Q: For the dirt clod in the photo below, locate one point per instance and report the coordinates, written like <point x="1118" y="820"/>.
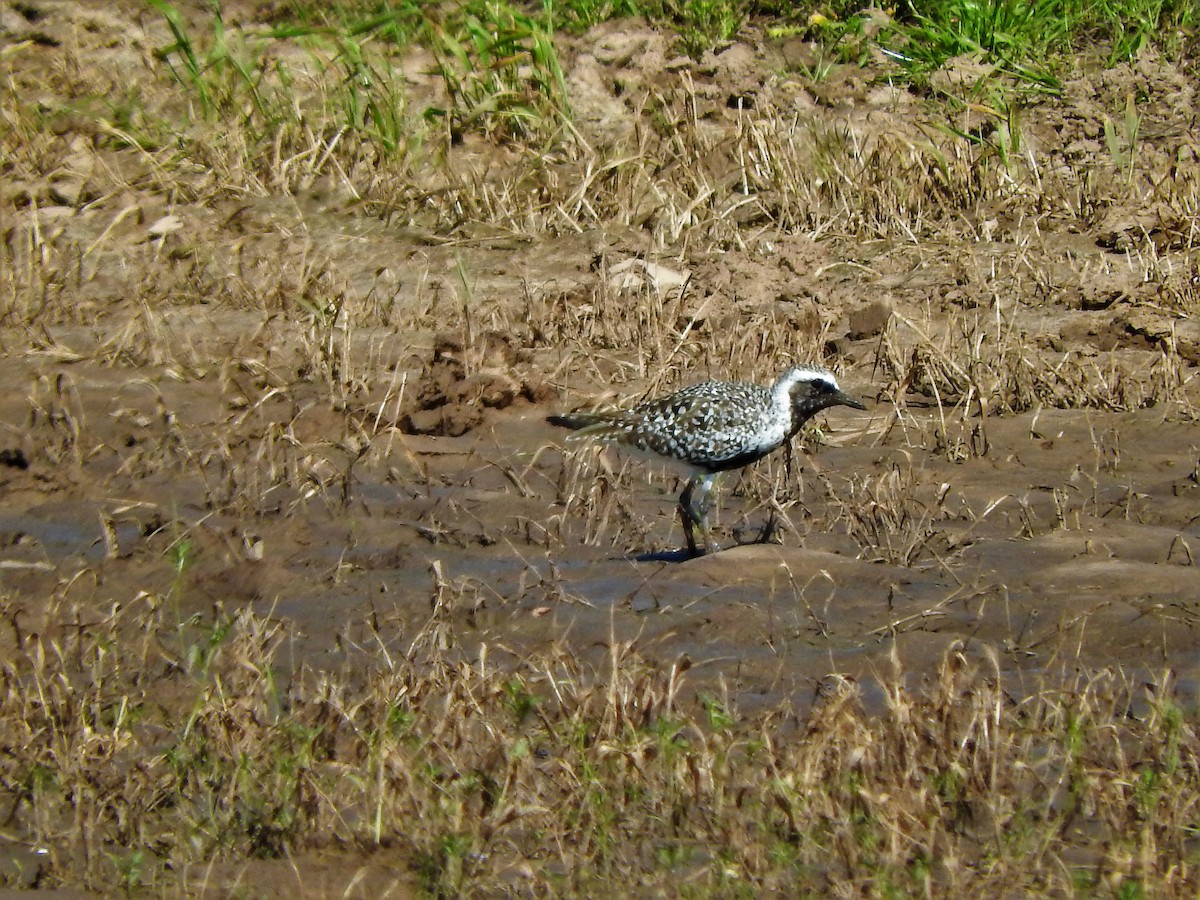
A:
<point x="461" y="381"/>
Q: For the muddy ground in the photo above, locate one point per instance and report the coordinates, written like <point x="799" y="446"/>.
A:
<point x="286" y="398"/>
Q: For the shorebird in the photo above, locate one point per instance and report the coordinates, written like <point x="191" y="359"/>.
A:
<point x="713" y="427"/>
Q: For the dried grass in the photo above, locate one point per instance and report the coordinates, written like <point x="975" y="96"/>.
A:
<point x="125" y="732"/>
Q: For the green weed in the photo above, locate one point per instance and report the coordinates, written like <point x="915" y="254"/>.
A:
<point x="1123" y="145"/>
<point x="1130" y="26"/>
<point x="499" y="66"/>
<point x="1013" y="34"/>
<point x="704" y="24"/>
<point x="578" y="15"/>
<point x="501" y="71"/>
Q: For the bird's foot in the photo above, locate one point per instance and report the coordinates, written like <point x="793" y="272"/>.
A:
<point x="707" y="548"/>
<point x="706" y="544"/>
<point x="693" y="512"/>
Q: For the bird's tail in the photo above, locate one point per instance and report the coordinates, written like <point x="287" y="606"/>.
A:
<point x="602" y="426"/>
<point x="577" y="420"/>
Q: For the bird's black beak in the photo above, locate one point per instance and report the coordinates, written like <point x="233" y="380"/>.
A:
<point x="846" y="400"/>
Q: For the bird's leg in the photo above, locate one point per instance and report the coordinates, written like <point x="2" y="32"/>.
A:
<point x="690" y="517"/>
<point x="694" y="504"/>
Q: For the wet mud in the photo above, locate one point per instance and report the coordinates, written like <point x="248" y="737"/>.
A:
<point x="1071" y="543"/>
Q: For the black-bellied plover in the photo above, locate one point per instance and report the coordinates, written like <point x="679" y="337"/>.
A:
<point x="713" y="427"/>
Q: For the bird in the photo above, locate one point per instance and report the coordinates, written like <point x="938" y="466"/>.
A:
<point x="713" y="427"/>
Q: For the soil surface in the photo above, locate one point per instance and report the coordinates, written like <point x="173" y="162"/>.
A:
<point x="275" y="400"/>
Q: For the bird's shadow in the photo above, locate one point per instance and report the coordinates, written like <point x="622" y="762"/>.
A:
<point x="668" y="556"/>
<point x="765" y="536"/>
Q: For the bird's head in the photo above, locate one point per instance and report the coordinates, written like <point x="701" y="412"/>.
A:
<point x="813" y="389"/>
